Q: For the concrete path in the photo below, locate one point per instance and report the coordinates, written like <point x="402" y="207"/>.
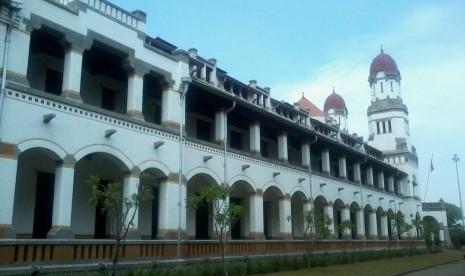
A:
<point x="455" y="268"/>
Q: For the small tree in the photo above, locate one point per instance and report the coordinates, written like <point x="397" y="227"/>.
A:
<point x="316" y="228"/>
<point x="225" y="214"/>
<point x="122" y="210"/>
<point x="345" y="228"/>
<point x="399" y="227"/>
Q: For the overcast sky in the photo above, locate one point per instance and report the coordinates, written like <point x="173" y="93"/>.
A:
<point x="310" y="46"/>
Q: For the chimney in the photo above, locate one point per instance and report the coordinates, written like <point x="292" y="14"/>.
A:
<point x="253" y="83"/>
<point x="193" y="53"/>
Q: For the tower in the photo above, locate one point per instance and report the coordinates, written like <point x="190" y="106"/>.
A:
<point x="335" y="110"/>
<point x="388" y="125"/>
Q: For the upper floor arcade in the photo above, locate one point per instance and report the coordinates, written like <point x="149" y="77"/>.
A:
<point x="140" y="78"/>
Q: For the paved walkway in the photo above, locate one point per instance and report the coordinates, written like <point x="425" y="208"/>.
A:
<point x="455" y="268"/>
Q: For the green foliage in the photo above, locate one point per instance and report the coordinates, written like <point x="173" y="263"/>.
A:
<point x="122" y="210"/>
<point x="345" y="228"/>
<point x="454" y="215"/>
<point x="316" y="228"/>
<point x="225" y="214"/>
<point x="457" y="237"/>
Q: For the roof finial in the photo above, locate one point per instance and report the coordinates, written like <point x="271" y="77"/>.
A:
<point x="333" y="89"/>
<point x="382" y="49"/>
<point x="303" y="94"/>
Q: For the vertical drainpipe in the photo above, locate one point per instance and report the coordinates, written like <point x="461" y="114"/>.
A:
<point x="225" y="179"/>
<point x="184" y="89"/>
<point x="14" y="11"/>
<point x="310" y="170"/>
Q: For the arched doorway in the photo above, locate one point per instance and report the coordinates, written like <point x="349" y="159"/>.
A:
<point x="148" y="211"/>
<point x="240" y="195"/>
<point x="298" y="201"/>
<point x="34" y="194"/>
<point x="337" y="210"/>
<point x="88" y="220"/>
<point x="200" y="221"/>
<point x="271" y="223"/>
<point x="431" y="230"/>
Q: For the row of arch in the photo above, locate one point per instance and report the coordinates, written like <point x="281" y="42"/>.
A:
<point x="39" y="193"/>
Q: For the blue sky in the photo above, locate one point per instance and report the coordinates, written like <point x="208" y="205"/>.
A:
<point x="310" y="46"/>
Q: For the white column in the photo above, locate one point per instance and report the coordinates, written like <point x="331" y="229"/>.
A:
<point x="373" y="226"/>
<point x="62" y="202"/>
<point x="8" y="169"/>
<point x="381" y="180"/>
<point x="72" y="73"/>
<point x="219" y="126"/>
<point x="360" y="224"/>
<point x="255" y="138"/>
<point x="256" y="215"/>
<point x="384" y="227"/>
<point x="342" y="167"/>
<point x="168" y="210"/>
<point x="328" y="210"/>
<point x="305" y="148"/>
<point x="135" y="95"/>
<point x="285" y="226"/>
<point x="130" y="187"/>
<point x="369" y="176"/>
<point x="282" y="147"/>
<point x="390" y="184"/>
<point x="325" y="162"/>
<point x="345" y="215"/>
<point x="357" y="174"/>
<point x="170" y="108"/>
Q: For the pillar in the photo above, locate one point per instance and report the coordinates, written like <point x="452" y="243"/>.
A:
<point x="325" y="162"/>
<point x="62" y="202"/>
<point x="170" y="113"/>
<point x="256" y="216"/>
<point x="8" y="169"/>
<point x="285" y="225"/>
<point x="255" y="138"/>
<point x="282" y="147"/>
<point x="345" y="215"/>
<point x="130" y="187"/>
<point x="390" y="184"/>
<point x="220" y="127"/>
<point x="357" y="174"/>
<point x="373" y="225"/>
<point x="135" y="90"/>
<point x="342" y="167"/>
<point x="328" y="210"/>
<point x="369" y="176"/>
<point x="360" y="215"/>
<point x="72" y="70"/>
<point x="381" y="180"/>
<point x="384" y="227"/>
<point x="168" y="209"/>
<point x="305" y="148"/>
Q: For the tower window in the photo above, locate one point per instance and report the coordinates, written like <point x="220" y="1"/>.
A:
<point x="389" y="125"/>
<point x="377" y="128"/>
<point x="381" y="87"/>
<point x="392" y="89"/>
<point x="384" y="127"/>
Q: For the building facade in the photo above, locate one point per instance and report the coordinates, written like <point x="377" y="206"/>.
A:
<point x="86" y="91"/>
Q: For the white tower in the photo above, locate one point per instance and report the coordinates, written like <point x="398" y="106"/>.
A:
<point x="336" y="111"/>
<point x="388" y="125"/>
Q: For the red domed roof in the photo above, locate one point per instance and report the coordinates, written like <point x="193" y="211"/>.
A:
<point x="336" y="102"/>
<point x="383" y="62"/>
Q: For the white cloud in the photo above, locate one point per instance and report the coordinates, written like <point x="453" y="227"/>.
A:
<point x="428" y="46"/>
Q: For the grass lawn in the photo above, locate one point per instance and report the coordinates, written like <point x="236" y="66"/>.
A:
<point x="381" y="267"/>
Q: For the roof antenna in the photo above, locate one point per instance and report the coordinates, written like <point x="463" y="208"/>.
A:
<point x="382" y="49"/>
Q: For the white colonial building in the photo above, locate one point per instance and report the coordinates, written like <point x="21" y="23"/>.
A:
<point x="86" y="91"/>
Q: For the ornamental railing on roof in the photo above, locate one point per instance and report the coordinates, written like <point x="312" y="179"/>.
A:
<point x="134" y="20"/>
